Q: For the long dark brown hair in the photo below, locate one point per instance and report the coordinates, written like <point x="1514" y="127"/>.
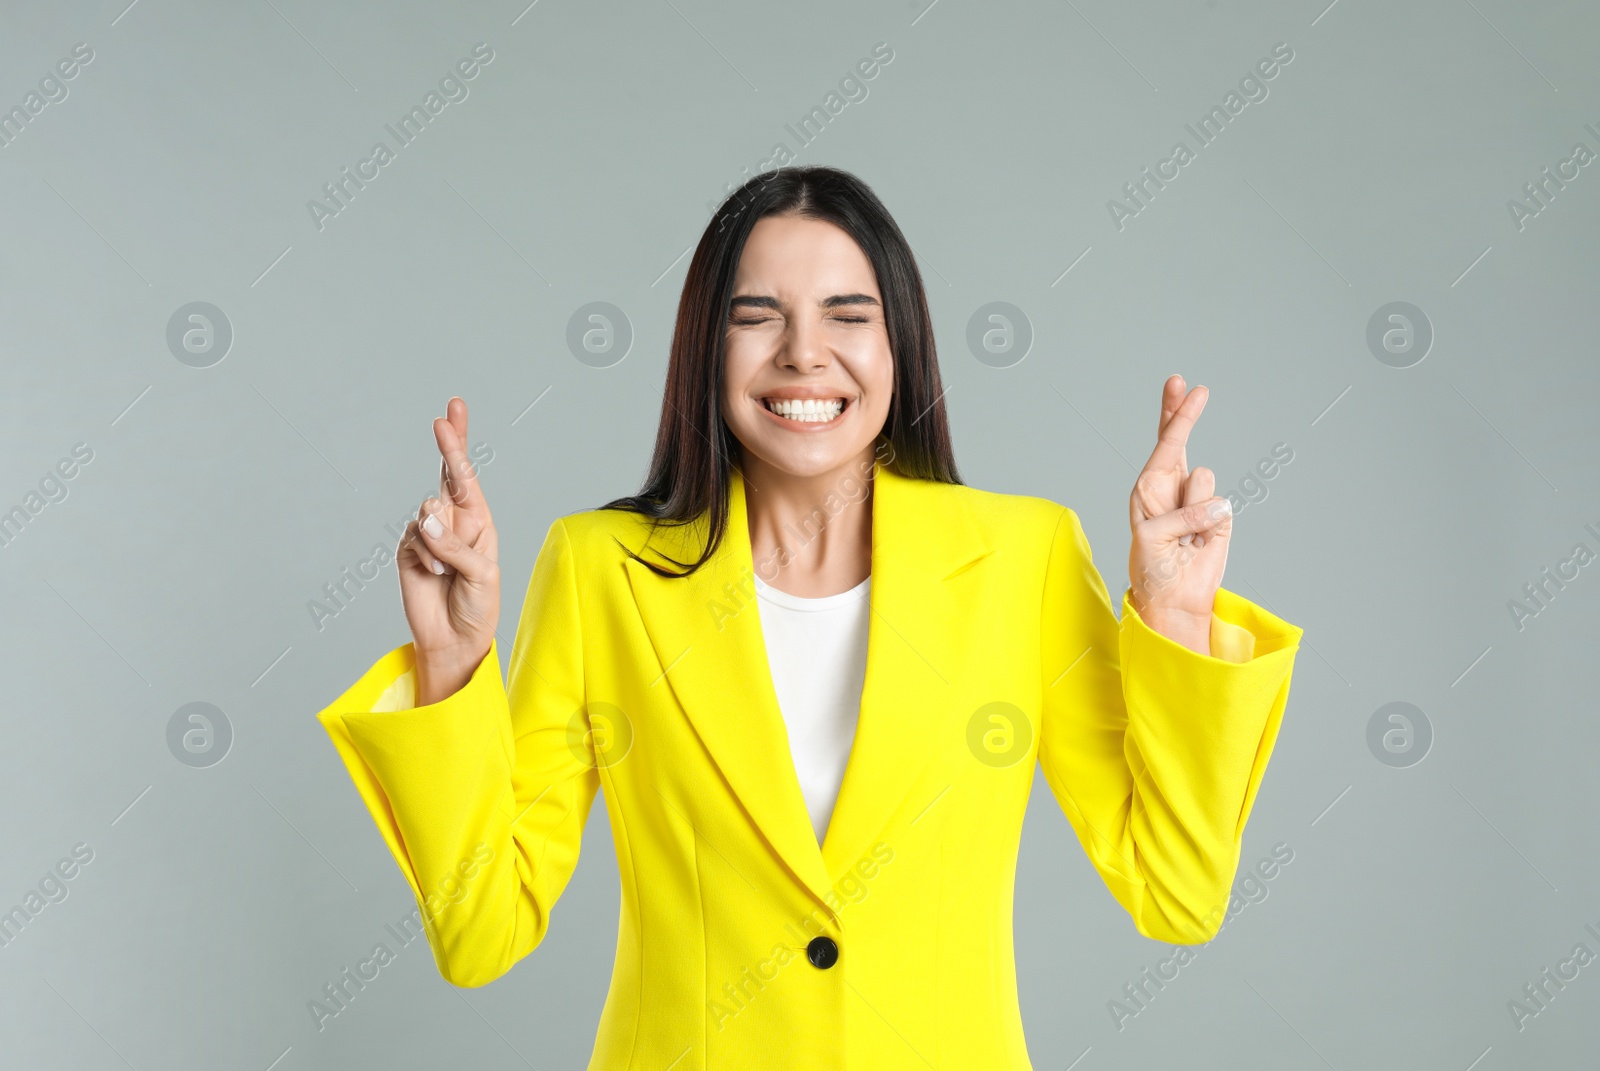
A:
<point x="695" y="449"/>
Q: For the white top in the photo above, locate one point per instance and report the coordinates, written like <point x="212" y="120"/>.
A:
<point x="817" y="650"/>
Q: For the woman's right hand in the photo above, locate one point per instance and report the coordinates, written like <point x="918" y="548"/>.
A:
<point x="449" y="579"/>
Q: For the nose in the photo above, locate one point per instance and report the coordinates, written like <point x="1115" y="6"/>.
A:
<point x="803" y="347"/>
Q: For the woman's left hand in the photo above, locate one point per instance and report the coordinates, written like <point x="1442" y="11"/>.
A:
<point x="1180" y="529"/>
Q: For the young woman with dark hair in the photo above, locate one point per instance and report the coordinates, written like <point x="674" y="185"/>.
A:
<point x="813" y="673"/>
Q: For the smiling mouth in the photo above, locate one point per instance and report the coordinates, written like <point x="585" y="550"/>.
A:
<point x="806" y="410"/>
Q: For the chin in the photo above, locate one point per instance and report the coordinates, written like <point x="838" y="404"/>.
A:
<point x="804" y="460"/>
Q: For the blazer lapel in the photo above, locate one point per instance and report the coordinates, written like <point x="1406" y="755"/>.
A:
<point x="706" y="632"/>
<point x="924" y="539"/>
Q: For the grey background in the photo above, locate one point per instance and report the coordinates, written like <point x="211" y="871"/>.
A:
<point x="219" y="500"/>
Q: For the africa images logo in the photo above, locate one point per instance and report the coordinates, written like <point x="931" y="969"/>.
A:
<point x="453" y="87"/>
<point x="1204" y="131"/>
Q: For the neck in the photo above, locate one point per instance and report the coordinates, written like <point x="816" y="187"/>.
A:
<point x="810" y="535"/>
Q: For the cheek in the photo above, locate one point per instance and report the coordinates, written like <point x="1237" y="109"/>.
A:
<point x="746" y="352"/>
<point x="739" y="364"/>
<point x="875" y="373"/>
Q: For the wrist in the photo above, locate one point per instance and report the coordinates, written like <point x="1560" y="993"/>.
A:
<point x="1183" y="627"/>
<point x="441" y="674"/>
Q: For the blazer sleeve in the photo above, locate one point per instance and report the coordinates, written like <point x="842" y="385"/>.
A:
<point x="1154" y="751"/>
<point x="482" y="796"/>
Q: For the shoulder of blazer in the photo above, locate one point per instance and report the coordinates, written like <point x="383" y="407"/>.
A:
<point x="1005" y="518"/>
<point x="597" y="536"/>
<point x="1016" y="524"/>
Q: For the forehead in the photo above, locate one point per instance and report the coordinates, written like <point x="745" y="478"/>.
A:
<point x="790" y="254"/>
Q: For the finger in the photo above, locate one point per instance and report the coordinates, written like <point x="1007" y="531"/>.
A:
<point x="452" y="550"/>
<point x="1169" y="452"/>
<point x="413" y="551"/>
<point x="1200" y="485"/>
<point x="448" y="516"/>
<point x="456" y="414"/>
<point x="1197" y="488"/>
<point x="456" y="410"/>
<point x="1172" y="396"/>
<point x="1208" y="517"/>
<point x="461" y="480"/>
<point x="475" y="529"/>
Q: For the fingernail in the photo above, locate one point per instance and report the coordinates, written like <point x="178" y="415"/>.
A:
<point x="1183" y="540"/>
<point x="1220" y="508"/>
<point x="431" y="525"/>
<point x="438" y="567"/>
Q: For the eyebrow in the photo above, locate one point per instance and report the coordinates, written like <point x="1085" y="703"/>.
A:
<point x="753" y="301"/>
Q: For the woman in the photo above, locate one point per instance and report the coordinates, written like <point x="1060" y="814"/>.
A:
<point x="812" y="673"/>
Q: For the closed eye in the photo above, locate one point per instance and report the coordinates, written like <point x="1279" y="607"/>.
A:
<point x="748" y="321"/>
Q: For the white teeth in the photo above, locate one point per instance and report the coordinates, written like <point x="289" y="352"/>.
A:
<point x="807" y="410"/>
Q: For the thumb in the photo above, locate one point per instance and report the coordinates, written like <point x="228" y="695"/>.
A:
<point x="451" y="549"/>
<point x="1206" y="516"/>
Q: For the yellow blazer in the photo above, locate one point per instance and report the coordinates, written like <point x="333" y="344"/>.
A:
<point x="993" y="645"/>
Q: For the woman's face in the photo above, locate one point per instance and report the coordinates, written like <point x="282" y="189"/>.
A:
<point x="809" y="373"/>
